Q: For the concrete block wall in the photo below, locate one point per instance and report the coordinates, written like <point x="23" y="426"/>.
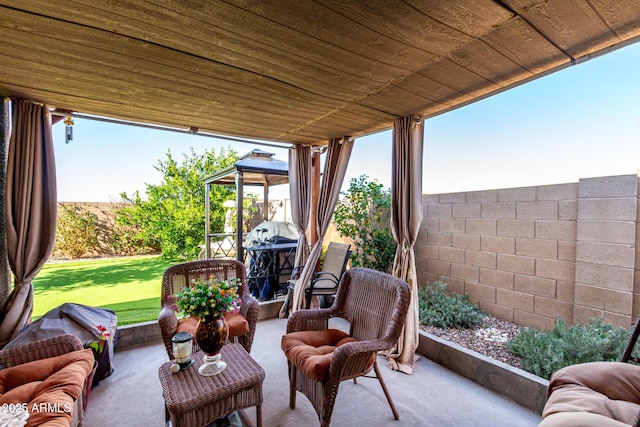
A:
<point x="606" y="249"/>
<point x="529" y="254"/>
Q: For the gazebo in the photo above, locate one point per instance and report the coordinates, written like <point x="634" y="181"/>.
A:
<point x="256" y="168"/>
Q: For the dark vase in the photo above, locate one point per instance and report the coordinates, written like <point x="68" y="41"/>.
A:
<point x="211" y="334"/>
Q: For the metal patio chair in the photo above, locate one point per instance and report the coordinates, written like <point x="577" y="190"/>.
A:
<point x="325" y="282"/>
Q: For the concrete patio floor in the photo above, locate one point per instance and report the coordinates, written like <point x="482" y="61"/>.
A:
<point x="431" y="396"/>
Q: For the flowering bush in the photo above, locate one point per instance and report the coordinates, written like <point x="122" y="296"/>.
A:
<point x="208" y="298"/>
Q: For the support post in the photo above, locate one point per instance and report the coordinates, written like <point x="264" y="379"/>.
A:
<point x="239" y="214"/>
<point x="315" y="194"/>
<point x="265" y="198"/>
<point x="207" y="220"/>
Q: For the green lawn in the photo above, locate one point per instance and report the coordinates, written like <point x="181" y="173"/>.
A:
<point x="129" y="286"/>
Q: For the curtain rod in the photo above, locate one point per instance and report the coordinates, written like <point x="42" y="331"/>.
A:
<point x="190" y="131"/>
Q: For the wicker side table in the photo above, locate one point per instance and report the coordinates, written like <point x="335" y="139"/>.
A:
<point x="192" y="400"/>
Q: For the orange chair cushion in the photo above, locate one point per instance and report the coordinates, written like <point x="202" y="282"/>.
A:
<point x="54" y="382"/>
<point x="593" y="394"/>
<point x="238" y="325"/>
<point x="311" y="351"/>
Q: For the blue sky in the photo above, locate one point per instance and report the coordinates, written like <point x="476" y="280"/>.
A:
<point x="577" y="123"/>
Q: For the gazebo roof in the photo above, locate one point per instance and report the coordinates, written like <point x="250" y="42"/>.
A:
<point x="257" y="167"/>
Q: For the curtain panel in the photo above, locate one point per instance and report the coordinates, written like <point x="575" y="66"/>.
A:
<point x="335" y="167"/>
<point x="300" y="191"/>
<point x="5" y="269"/>
<point x="406" y="217"/>
<point x="30" y="209"/>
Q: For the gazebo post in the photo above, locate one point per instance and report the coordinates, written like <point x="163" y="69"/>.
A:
<point x="207" y="220"/>
<point x="265" y="198"/>
<point x="239" y="214"/>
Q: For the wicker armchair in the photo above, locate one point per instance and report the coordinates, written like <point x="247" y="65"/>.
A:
<point x="177" y="277"/>
<point x="596" y="393"/>
<point x="45" y="348"/>
<point x="375" y="304"/>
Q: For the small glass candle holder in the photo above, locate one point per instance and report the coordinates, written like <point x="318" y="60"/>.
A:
<point x="182" y="345"/>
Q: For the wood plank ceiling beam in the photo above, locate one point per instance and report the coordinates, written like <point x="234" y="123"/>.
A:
<point x="298" y="71"/>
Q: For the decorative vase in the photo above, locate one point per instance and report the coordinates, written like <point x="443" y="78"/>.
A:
<point x="211" y="334"/>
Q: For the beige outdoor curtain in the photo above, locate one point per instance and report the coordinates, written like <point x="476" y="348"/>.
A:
<point x="300" y="192"/>
<point x="335" y="167"/>
<point x="406" y="216"/>
<point x="5" y="269"/>
<point x="30" y="209"/>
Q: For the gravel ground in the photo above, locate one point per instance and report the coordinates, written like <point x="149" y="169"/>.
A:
<point x="489" y="338"/>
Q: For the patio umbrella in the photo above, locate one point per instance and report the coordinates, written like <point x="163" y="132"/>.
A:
<point x="406" y="216"/>
<point x="30" y="209"/>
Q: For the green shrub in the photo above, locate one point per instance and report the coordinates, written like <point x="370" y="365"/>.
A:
<point x="363" y="215"/>
<point x="544" y="352"/>
<point x="76" y="231"/>
<point x="126" y="240"/>
<point x="439" y="308"/>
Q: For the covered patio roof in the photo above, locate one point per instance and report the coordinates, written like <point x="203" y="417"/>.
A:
<point x="295" y="71"/>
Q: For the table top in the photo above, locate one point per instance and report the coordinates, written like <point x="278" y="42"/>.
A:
<point x="242" y="372"/>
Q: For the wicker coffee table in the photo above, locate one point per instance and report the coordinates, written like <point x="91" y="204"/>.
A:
<point x="193" y="400"/>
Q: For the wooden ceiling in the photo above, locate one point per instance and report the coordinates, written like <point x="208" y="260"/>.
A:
<point x="297" y="71"/>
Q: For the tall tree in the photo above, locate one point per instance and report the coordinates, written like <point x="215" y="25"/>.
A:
<point x="172" y="216"/>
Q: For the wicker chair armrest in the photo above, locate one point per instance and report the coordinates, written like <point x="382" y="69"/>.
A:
<point x="249" y="304"/>
<point x="250" y="310"/>
<point x="168" y="319"/>
<point x="354" y="358"/>
<point x="351" y="349"/>
<point x="41" y="349"/>
<point x="309" y="320"/>
<point x="168" y="322"/>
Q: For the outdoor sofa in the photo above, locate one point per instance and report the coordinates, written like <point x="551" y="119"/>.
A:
<point x="51" y="378"/>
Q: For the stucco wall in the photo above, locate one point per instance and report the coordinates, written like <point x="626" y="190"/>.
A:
<point x="530" y="254"/>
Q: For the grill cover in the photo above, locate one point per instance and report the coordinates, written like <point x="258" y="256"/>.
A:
<point x="272" y="232"/>
<point x="81" y="321"/>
